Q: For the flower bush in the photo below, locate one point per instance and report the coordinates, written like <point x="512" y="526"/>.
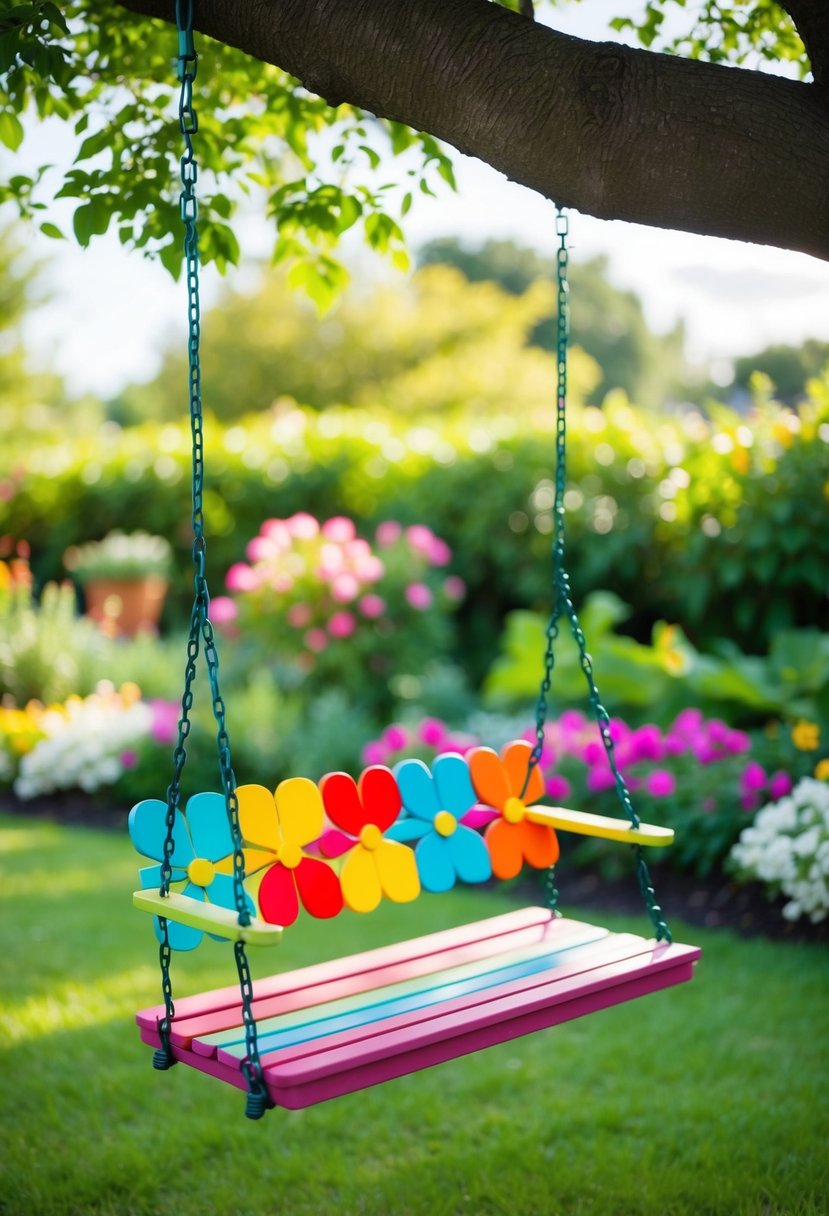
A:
<point x="334" y="609"/>
<point x="84" y="743"/>
<point x="787" y="848"/>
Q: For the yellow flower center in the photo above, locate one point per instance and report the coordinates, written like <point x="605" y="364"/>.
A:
<point x="370" y="836"/>
<point x="290" y="855"/>
<point x="514" y="810"/>
<point x="201" y="871"/>
<point x="445" y="823"/>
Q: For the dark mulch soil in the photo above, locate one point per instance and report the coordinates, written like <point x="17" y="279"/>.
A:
<point x="712" y="902"/>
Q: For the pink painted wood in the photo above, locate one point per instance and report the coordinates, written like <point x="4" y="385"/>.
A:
<point x="617" y="969"/>
<point x="216" y="1010"/>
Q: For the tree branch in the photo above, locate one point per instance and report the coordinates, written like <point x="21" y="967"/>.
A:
<point x="614" y="132"/>
<point x="811" y="17"/>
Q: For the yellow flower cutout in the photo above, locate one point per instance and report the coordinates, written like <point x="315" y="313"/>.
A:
<point x="806" y="736"/>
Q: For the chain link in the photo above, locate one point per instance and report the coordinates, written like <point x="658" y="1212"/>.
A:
<point x="563" y="604"/>
<point x="201" y="629"/>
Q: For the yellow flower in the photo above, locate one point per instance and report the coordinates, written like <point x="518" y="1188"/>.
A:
<point x="740" y="460"/>
<point x="806" y="736"/>
<point x="822" y="770"/>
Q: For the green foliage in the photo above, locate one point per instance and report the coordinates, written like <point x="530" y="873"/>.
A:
<point x="606" y="323"/>
<point x="786" y="369"/>
<point x="120" y="555"/>
<point x="110" y="76"/>
<point x="431" y="344"/>
<point x="744" y="31"/>
<point x="706" y="524"/>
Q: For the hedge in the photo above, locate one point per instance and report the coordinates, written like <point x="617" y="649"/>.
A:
<point x="711" y="523"/>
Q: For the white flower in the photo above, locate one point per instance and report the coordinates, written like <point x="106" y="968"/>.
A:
<point x="787" y="847"/>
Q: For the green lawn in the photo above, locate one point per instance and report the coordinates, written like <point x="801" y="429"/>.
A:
<point x="709" y="1098"/>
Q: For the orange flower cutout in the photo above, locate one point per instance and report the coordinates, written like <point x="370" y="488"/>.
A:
<point x="499" y="782"/>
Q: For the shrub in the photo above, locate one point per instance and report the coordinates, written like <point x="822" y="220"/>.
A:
<point x="787" y="848"/>
<point x="330" y="610"/>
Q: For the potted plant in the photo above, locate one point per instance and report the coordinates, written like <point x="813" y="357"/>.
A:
<point x="124" y="580"/>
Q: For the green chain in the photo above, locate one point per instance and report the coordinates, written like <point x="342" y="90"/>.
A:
<point x="563" y="605"/>
<point x="201" y="629"/>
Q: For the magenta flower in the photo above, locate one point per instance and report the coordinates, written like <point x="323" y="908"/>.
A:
<point x="753" y="778"/>
<point x="454" y="588"/>
<point x="129" y="759"/>
<point x="738" y="742"/>
<point x="372" y="606"/>
<point x="342" y="625"/>
<point x="646" y="744"/>
<point x="374" y="753"/>
<point x="164" y="726"/>
<point x="558" y="787"/>
<point x="599" y="779"/>
<point x="419" y="596"/>
<point x="660" y="783"/>
<point x="388" y="533"/>
<point x="432" y="732"/>
<point x="780" y="784"/>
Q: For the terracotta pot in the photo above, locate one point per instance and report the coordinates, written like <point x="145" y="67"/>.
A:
<point x="124" y="607"/>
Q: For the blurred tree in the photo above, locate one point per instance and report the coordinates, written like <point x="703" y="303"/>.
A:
<point x="433" y="342"/>
<point x="788" y="368"/>
<point x="606" y="322"/>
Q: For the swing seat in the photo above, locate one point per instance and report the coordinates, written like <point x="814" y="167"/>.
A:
<point x="340" y="1026"/>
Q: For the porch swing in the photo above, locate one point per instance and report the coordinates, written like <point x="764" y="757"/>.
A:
<point x="304" y="1036"/>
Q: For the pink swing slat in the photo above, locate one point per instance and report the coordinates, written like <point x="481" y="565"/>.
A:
<point x="419" y="1003"/>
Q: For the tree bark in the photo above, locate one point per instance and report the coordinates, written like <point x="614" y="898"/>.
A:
<point x="613" y="132"/>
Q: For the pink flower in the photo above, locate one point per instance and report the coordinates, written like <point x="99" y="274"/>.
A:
<point x="674" y="745"/>
<point x="432" y="732"/>
<point x="599" y="779"/>
<point x="688" y="723"/>
<point x="780" y="784"/>
<point x="572" y="720"/>
<point x="454" y="588"/>
<point x="241" y="578"/>
<point x="660" y="783"/>
<point x="299" y="615"/>
<point x="395" y="737"/>
<point x="737" y="741"/>
<point x="593" y="752"/>
<point x="420" y="539"/>
<point x="369" y="569"/>
<point x="439" y="552"/>
<point x="316" y="640"/>
<point x="357" y="550"/>
<point x="164" y="726"/>
<point x="372" y="606"/>
<point x="558" y="787"/>
<point x="419" y="596"/>
<point x="261" y="548"/>
<point x="302" y="526"/>
<point x="749" y="802"/>
<point x="342" y="625"/>
<point x="129" y="759"/>
<point x="388" y="533"/>
<point x="223" y="610"/>
<point x="345" y="588"/>
<point x="276" y="531"/>
<point x="753" y="778"/>
<point x="374" y="753"/>
<point x="332" y="561"/>
<point x="339" y="528"/>
<point x="646" y="744"/>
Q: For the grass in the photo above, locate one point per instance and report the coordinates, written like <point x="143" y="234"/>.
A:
<point x="709" y="1098"/>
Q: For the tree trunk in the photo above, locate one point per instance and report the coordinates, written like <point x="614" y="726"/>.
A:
<point x="613" y="132"/>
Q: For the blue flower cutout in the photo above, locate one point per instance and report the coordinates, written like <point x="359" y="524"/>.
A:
<point x="435" y="802"/>
<point x="201" y="840"/>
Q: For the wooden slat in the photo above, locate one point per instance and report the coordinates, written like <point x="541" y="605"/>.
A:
<point x="210" y="917"/>
<point x="199" y="1029"/>
<point x="586" y="824"/>
<point x="583" y="959"/>
<point x="330" y="1073"/>
<point x="429" y="989"/>
<point x="454" y="945"/>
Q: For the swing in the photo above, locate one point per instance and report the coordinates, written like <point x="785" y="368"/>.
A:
<point x="304" y="1036"/>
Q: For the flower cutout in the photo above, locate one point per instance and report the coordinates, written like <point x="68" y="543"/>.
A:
<point x="278" y="826"/>
<point x="436" y="802"/>
<point x="201" y="841"/>
<point x="374" y="866"/>
<point x="500" y="782"/>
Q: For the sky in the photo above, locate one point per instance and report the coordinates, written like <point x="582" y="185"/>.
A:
<point x="111" y="313"/>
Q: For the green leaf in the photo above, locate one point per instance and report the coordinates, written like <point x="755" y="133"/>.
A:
<point x="11" y="130"/>
<point x="52" y="230"/>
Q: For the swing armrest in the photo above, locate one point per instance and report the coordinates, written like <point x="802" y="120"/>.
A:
<point x="210" y="917"/>
<point x="585" y="824"/>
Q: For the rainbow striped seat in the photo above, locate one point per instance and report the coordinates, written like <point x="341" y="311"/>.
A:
<point x="336" y="1027"/>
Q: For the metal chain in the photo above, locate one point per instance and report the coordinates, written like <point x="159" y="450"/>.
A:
<point x="201" y="629"/>
<point x="563" y="604"/>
